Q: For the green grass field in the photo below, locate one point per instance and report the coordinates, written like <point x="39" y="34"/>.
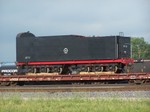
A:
<point x="17" y="104"/>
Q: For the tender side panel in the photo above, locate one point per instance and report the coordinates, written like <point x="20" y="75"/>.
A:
<point x="61" y="48"/>
<point x="102" y="47"/>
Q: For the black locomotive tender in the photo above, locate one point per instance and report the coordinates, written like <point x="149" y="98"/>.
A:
<point x="72" y="54"/>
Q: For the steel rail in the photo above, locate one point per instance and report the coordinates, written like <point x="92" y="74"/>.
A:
<point x="73" y="88"/>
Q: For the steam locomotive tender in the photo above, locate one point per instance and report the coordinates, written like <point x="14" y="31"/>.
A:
<point x="72" y="54"/>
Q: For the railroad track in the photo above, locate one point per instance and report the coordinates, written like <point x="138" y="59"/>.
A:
<point x="75" y="88"/>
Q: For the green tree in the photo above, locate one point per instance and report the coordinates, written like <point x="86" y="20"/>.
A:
<point x="140" y="48"/>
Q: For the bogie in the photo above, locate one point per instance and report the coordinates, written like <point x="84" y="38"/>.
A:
<point x="74" y="68"/>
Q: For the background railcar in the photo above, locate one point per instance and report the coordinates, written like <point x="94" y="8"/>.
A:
<point x="8" y="69"/>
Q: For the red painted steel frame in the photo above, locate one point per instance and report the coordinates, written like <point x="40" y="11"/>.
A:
<point x="122" y="60"/>
<point x="123" y="76"/>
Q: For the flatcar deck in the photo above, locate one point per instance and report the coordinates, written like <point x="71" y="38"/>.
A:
<point x="85" y="77"/>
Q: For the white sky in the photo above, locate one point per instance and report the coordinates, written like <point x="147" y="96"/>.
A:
<point x="81" y="17"/>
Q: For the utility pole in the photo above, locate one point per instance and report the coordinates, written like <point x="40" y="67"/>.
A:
<point x="139" y="51"/>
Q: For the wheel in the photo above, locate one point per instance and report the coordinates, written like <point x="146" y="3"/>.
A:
<point x="117" y="69"/>
<point x="84" y="69"/>
<point x="60" y="70"/>
<point x="101" y="69"/>
<point x="13" y="83"/>
<point x="5" y="83"/>
<point x="97" y="69"/>
<point x="48" y="70"/>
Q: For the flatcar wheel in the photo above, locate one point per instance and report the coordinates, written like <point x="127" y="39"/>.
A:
<point x="135" y="82"/>
<point x="147" y="81"/>
<point x="5" y="83"/>
<point x="13" y="83"/>
<point x="139" y="81"/>
<point x="130" y="81"/>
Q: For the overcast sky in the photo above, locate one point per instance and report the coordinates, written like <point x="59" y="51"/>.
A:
<point x="81" y="17"/>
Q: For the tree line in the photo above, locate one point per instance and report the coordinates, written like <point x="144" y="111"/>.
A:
<point x="140" y="48"/>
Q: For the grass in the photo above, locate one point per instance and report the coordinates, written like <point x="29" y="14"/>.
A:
<point x="17" y="104"/>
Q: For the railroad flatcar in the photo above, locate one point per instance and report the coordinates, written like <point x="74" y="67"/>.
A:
<point x="72" y="54"/>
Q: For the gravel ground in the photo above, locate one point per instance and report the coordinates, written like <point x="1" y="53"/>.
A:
<point x="91" y="95"/>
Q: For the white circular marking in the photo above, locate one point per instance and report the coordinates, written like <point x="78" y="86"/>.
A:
<point x="65" y="50"/>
